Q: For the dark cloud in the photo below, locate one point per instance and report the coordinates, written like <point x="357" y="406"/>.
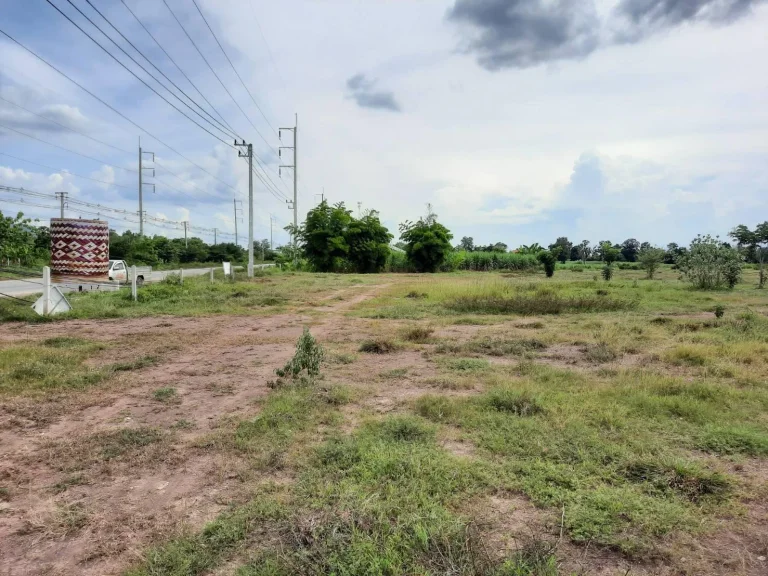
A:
<point x="638" y="19"/>
<point x="523" y="33"/>
<point x="362" y="91"/>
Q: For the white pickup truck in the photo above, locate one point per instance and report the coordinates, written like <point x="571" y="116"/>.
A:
<point x="120" y="272"/>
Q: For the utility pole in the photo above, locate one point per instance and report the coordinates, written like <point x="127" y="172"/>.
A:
<point x="214" y="235"/>
<point x="141" y="186"/>
<point x="294" y="166"/>
<point x="186" y="243"/>
<point x="271" y="220"/>
<point x="322" y="195"/>
<point x="235" y="201"/>
<point x="62" y="196"/>
<point x="249" y="155"/>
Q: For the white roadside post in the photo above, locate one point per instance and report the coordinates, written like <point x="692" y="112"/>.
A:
<point x="181" y="275"/>
<point x="211" y="275"/>
<point x="46" y="290"/>
<point x="134" y="292"/>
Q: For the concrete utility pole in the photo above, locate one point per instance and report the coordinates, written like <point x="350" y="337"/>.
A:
<point x="271" y="220"/>
<point x="294" y="166"/>
<point x="249" y="155"/>
<point x="214" y="235"/>
<point x="141" y="186"/>
<point x="186" y="244"/>
<point x="62" y="196"/>
<point x="235" y="201"/>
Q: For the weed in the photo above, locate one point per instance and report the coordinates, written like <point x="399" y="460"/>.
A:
<point x="468" y="365"/>
<point x="736" y="439"/>
<point x="395" y="373"/>
<point x="338" y="395"/>
<point x="513" y="401"/>
<point x="531" y="325"/>
<point x="543" y="302"/>
<point x="689" y="481"/>
<point x="183" y="424"/>
<point x="599" y="353"/>
<point x="413" y="294"/>
<point x="418" y="334"/>
<point x="69" y="518"/>
<point x="138" y="364"/>
<point x="167" y="395"/>
<point x="5" y="494"/>
<point x="64" y="342"/>
<point x="68" y="482"/>
<point x="121" y="442"/>
<point x="719" y="311"/>
<point x="341" y="358"/>
<point x="308" y="356"/>
<point x="378" y="346"/>
<point x="535" y="558"/>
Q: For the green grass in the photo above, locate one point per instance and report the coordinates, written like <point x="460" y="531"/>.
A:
<point x="166" y="395"/>
<point x="55" y="364"/>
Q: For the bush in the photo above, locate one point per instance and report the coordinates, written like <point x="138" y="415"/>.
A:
<point x="309" y="354"/>
<point x="650" y="259"/>
<point x="427" y="243"/>
<point x="710" y="265"/>
<point x="719" y="311"/>
<point x="549" y="261"/>
<point x="378" y="346"/>
<point x="418" y="334"/>
<point x="607" y="272"/>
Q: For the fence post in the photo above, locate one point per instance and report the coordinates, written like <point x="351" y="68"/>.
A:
<point x="134" y="293"/>
<point x="211" y="275"/>
<point x="181" y="275"/>
<point x="46" y="290"/>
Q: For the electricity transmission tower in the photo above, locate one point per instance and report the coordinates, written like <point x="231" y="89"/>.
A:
<point x="295" y="169"/>
<point x="141" y="186"/>
<point x="249" y="155"/>
<point x="235" y="201"/>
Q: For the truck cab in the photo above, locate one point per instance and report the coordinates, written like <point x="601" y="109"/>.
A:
<point x="118" y="271"/>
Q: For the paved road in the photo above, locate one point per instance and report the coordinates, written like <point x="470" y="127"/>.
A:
<point x="30" y="286"/>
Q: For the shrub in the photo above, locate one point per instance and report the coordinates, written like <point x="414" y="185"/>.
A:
<point x="418" y="334"/>
<point x="650" y="259"/>
<point x="710" y="265"/>
<point x="309" y="354"/>
<point x="427" y="243"/>
<point x="549" y="261"/>
<point x="513" y="401"/>
<point x="607" y="272"/>
<point x="542" y="302"/>
<point x="378" y="346"/>
<point x="719" y="311"/>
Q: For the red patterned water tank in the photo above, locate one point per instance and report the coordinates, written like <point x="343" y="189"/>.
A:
<point x="80" y="248"/>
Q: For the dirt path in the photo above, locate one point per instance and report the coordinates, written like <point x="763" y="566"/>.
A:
<point x="73" y="512"/>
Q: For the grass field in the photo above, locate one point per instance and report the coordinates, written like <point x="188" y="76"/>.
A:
<point x="471" y="424"/>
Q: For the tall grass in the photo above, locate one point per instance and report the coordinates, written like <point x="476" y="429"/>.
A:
<point x="471" y="261"/>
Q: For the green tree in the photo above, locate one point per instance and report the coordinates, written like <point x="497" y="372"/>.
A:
<point x="549" y="260"/>
<point x="754" y="245"/>
<point x="609" y="253"/>
<point x="530" y="249"/>
<point x="650" y="258"/>
<point x="427" y="242"/>
<point x="467" y="243"/>
<point x="368" y="241"/>
<point x="585" y="252"/>
<point x="322" y="237"/>
<point x="564" y="245"/>
<point x="629" y="249"/>
<point x="709" y="265"/>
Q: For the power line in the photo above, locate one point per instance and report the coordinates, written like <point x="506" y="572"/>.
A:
<point x="147" y="132"/>
<point x="66" y="149"/>
<point x="232" y="65"/>
<point x="274" y="63"/>
<point x="66" y="171"/>
<point x="128" y="69"/>
<point x="177" y="66"/>
<point x="219" y="126"/>
<point x="214" y="72"/>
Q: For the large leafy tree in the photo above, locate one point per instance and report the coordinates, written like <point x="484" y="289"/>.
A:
<point x="427" y="242"/>
<point x="629" y="249"/>
<point x="754" y="245"/>
<point x="561" y="248"/>
<point x="332" y="240"/>
<point x="709" y="264"/>
<point x="467" y="243"/>
<point x="368" y="242"/>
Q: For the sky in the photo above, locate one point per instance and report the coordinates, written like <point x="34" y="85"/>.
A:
<point x="519" y="121"/>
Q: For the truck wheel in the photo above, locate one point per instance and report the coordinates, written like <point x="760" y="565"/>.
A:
<point x="140" y="281"/>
